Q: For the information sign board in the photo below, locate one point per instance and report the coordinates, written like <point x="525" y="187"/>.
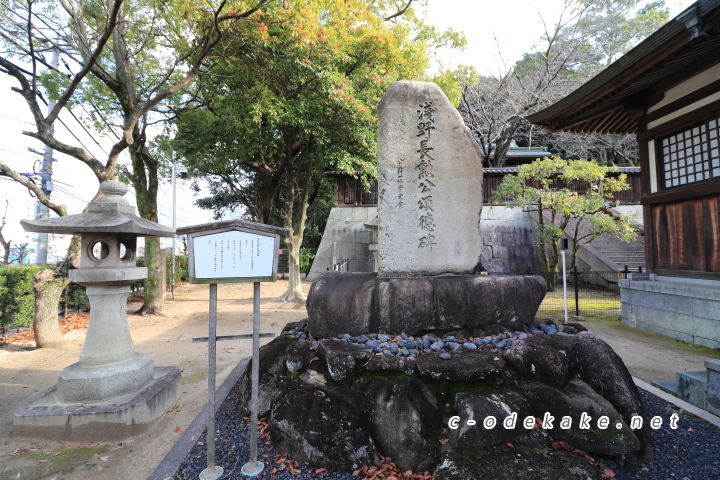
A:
<point x="233" y="255"/>
<point x="233" y="251"/>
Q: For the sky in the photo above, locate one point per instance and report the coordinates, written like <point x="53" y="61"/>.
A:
<point x="498" y="34"/>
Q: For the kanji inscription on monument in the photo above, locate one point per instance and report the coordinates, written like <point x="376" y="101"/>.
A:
<point x="430" y="185"/>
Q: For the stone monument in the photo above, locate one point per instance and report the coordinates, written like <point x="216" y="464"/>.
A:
<point x="385" y="358"/>
<point x="429" y="242"/>
<point x="112" y="391"/>
<point x="429" y="184"/>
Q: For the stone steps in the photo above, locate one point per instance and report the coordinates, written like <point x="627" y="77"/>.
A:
<point x="626" y="258"/>
<point x="667" y="386"/>
<point x="688" y="386"/>
<point x="691" y="387"/>
<point x="629" y="249"/>
<point x="621" y="253"/>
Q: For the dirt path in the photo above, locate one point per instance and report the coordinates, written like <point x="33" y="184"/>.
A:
<point x="168" y="340"/>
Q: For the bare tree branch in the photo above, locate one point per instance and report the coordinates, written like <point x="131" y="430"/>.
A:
<point x="109" y="28"/>
<point x="399" y="12"/>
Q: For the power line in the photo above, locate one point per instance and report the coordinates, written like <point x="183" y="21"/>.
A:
<point x="18" y="153"/>
<point x="73" y="134"/>
<point x="16" y="119"/>
<point x="89" y="134"/>
<point x="70" y="194"/>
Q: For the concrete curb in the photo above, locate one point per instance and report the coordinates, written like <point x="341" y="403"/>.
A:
<point x="179" y="452"/>
<point x="698" y="412"/>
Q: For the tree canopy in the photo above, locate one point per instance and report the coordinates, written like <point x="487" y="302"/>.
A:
<point x="122" y="63"/>
<point x="296" y="96"/>
<point x="586" y="38"/>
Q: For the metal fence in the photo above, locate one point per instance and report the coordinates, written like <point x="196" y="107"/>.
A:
<point x="284" y="259"/>
<point x="588" y="293"/>
<point x="341" y="266"/>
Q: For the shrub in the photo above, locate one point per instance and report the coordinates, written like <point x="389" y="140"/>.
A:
<point x="17" y="299"/>
<point x="75" y="298"/>
<point x="181" y="271"/>
<point x="306" y="260"/>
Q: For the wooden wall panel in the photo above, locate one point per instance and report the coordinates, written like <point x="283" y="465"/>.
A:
<point x="712" y="233"/>
<point x="686" y="235"/>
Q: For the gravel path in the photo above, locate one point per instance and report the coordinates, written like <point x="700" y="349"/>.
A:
<point x="691" y="452"/>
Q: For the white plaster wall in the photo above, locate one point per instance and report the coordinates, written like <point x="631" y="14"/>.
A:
<point x="688" y="86"/>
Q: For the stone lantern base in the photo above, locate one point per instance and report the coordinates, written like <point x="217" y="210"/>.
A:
<point x="45" y="416"/>
<point x="80" y="383"/>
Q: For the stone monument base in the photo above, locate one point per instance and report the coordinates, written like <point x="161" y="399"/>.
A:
<point x="45" y="416"/>
<point x="357" y="303"/>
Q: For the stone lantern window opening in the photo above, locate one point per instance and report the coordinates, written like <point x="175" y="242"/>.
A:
<point x="99" y="250"/>
<point x="107" y="250"/>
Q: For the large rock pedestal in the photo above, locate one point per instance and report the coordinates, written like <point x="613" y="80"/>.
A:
<point x="336" y="404"/>
<point x="357" y="303"/>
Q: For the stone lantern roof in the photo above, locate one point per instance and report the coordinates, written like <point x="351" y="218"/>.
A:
<point x="110" y="213"/>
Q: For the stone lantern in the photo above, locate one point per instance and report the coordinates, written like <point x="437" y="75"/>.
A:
<point x="123" y="389"/>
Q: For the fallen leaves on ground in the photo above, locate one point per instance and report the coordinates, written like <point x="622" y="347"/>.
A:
<point x="263" y="427"/>
<point x="121" y="445"/>
<point x="31" y="447"/>
<point x="387" y="470"/>
<point x="286" y="464"/>
<point x="73" y="321"/>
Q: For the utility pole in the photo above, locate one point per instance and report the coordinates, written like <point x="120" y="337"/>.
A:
<point x="46" y="184"/>
<point x="172" y="252"/>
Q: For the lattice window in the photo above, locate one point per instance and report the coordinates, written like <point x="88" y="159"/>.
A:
<point x="691" y="156"/>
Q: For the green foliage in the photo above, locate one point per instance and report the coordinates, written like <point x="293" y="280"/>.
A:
<point x="325" y="66"/>
<point x="582" y="209"/>
<point x="306" y="259"/>
<point x="17" y="299"/>
<point x="296" y="96"/>
<point x="452" y="82"/>
<point x="75" y="298"/>
<point x="181" y="269"/>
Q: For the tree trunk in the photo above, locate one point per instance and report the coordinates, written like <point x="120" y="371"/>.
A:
<point x="48" y="287"/>
<point x="155" y="282"/>
<point x="294" y="290"/>
<point x="297" y="230"/>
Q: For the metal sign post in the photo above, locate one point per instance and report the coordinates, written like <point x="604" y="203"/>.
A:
<point x="563" y="250"/>
<point x="253" y="467"/>
<point x="231" y="252"/>
<point x="212" y="472"/>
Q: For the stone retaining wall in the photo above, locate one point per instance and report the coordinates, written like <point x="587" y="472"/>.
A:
<point x="684" y="311"/>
